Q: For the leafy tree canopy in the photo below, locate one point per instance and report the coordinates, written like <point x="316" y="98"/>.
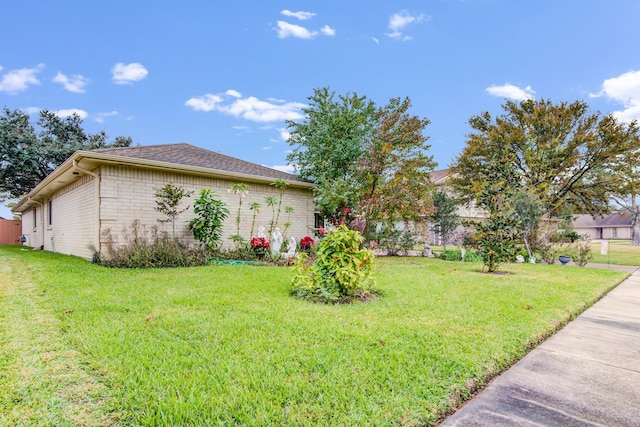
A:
<point x="395" y="169"/>
<point x="29" y="152"/>
<point x="328" y="145"/>
<point x="362" y="157"/>
<point x="562" y="154"/>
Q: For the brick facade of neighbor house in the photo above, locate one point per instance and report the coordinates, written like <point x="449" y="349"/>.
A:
<point x="100" y="191"/>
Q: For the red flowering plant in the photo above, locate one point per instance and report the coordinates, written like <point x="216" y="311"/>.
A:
<point x="320" y="232"/>
<point x="260" y="245"/>
<point x="307" y="243"/>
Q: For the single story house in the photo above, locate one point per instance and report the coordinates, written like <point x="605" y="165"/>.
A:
<point x="609" y="227"/>
<point x="97" y="192"/>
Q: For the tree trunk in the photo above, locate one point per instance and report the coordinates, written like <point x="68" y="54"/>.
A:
<point x="635" y="224"/>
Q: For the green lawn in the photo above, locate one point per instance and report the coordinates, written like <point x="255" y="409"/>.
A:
<point x="86" y="345"/>
<point x="621" y="252"/>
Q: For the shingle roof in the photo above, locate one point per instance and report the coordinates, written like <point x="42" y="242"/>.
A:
<point x="438" y="175"/>
<point x="189" y="155"/>
<point x="616" y="219"/>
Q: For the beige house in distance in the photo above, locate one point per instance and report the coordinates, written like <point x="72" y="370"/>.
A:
<point x="617" y="225"/>
<point x="107" y="189"/>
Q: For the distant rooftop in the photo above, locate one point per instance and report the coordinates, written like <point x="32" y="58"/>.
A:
<point x="439" y="175"/>
<point x="616" y="219"/>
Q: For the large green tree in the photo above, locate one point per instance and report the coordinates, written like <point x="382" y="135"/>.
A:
<point x="395" y="168"/>
<point x="328" y="145"/>
<point x="560" y="152"/>
<point x="29" y="152"/>
<point x="363" y="158"/>
<point x="497" y="234"/>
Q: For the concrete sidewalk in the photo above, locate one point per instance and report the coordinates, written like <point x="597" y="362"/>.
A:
<point x="588" y="374"/>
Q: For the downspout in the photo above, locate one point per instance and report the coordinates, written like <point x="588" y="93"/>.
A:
<point x="97" y="201"/>
<point x="41" y="223"/>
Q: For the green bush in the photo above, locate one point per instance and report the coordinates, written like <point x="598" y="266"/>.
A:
<point x="451" y="255"/>
<point x="456" y="255"/>
<point x="581" y="252"/>
<point x="210" y="215"/>
<point x="341" y="272"/>
<point x="394" y="240"/>
<point x="473" y="256"/>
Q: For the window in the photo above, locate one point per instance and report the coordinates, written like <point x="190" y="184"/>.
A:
<point x="614" y="233"/>
<point x="50" y="217"/>
<point x="35" y="218"/>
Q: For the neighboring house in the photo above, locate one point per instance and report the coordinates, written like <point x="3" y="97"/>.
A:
<point x="613" y="226"/>
<point x="10" y="230"/>
<point x="103" y="190"/>
<point x="466" y="212"/>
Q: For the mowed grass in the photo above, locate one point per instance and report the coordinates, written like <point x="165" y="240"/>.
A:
<point x="620" y="252"/>
<point x="86" y="345"/>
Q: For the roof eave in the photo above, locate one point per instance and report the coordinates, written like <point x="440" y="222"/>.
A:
<point x="110" y="159"/>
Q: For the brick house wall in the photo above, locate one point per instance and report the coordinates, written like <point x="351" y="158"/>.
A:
<point x="128" y="194"/>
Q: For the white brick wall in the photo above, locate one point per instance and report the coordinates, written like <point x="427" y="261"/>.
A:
<point x="127" y="194"/>
<point x="33" y="235"/>
<point x="73" y="226"/>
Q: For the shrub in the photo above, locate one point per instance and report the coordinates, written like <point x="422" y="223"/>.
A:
<point x="473" y="256"/>
<point x="582" y="252"/>
<point x="396" y="241"/>
<point x="341" y="272"/>
<point x="210" y="215"/>
<point x="142" y="251"/>
<point x="451" y="255"/>
<point x="548" y="252"/>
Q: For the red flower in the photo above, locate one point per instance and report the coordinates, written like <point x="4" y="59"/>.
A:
<point x="259" y="243"/>
<point x="307" y="242"/>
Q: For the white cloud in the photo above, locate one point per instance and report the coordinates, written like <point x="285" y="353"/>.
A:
<point x="249" y="108"/>
<point x="399" y="21"/>
<point x="624" y="89"/>
<point x="300" y="15"/>
<point x="71" y="111"/>
<point x="283" y="168"/>
<point x="14" y="81"/>
<point x="74" y="83"/>
<point x="284" y="134"/>
<point x="375" y="40"/>
<point x="31" y="110"/>
<point x="233" y="93"/>
<point x="266" y="148"/>
<point x="286" y="29"/>
<point x="206" y="102"/>
<point x="101" y="116"/>
<point x="511" y="92"/>
<point x="328" y="31"/>
<point x="129" y="73"/>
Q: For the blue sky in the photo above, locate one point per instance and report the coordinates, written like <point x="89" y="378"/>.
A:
<point x="225" y="75"/>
